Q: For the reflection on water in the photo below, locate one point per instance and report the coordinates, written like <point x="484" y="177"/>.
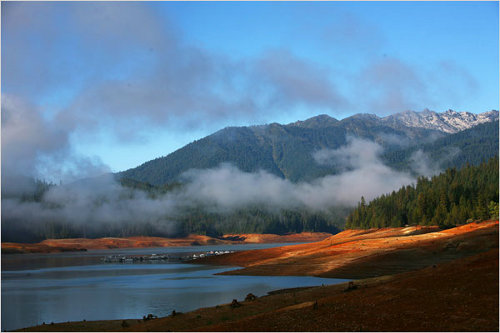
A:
<point x="77" y="286"/>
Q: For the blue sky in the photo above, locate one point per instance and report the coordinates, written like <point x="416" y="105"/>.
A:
<point x="88" y="87"/>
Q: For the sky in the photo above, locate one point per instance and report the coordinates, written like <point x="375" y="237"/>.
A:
<point x="92" y="87"/>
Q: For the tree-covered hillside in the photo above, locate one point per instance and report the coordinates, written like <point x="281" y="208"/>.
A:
<point x="472" y="146"/>
<point x="448" y="199"/>
<point x="155" y="200"/>
<point x="257" y="220"/>
<point x="283" y="150"/>
<point x="288" y="150"/>
<point x="50" y="219"/>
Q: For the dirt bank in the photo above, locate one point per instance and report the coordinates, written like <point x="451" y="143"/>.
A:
<point x="80" y="244"/>
<point x="366" y="253"/>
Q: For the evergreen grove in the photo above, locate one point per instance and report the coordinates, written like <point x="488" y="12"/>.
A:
<point x="451" y="198"/>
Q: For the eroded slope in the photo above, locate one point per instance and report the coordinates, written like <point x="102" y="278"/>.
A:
<point x="366" y="253"/>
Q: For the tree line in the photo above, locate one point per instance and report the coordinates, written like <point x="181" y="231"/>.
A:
<point x="199" y="219"/>
<point x="454" y="197"/>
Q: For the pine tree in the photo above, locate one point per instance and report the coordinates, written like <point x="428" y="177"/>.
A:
<point x="493" y="209"/>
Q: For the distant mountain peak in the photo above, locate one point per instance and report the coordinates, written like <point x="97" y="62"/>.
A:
<point x="371" y="116"/>
<point x="449" y="121"/>
<point x="322" y="120"/>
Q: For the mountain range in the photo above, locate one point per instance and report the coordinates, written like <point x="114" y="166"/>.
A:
<point x="287" y="150"/>
<point x="448" y="122"/>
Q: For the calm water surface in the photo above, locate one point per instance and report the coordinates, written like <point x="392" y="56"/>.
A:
<point x="74" y="286"/>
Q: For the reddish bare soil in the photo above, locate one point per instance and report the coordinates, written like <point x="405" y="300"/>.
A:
<point x="292" y="238"/>
<point x="79" y="244"/>
<point x="10" y="248"/>
<point x="366" y="253"/>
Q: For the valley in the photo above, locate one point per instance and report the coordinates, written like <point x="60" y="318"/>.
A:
<point x="249" y="166"/>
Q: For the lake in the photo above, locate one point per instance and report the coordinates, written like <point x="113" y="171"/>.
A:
<point x="75" y="286"/>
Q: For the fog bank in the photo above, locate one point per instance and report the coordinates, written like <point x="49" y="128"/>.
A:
<point x="102" y="202"/>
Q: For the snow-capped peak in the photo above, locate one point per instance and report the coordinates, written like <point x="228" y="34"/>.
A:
<point x="449" y="121"/>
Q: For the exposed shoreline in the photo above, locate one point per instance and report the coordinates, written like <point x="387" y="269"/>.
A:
<point x="366" y="253"/>
<point x="426" y="280"/>
<point x="83" y="244"/>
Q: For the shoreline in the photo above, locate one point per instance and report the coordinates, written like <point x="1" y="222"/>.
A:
<point x="358" y="254"/>
<point x="403" y="279"/>
<point x="84" y="244"/>
<point x="461" y="295"/>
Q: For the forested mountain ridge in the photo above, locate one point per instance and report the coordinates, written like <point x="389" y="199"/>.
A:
<point x="472" y="146"/>
<point x="287" y="150"/>
<point x="261" y="203"/>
